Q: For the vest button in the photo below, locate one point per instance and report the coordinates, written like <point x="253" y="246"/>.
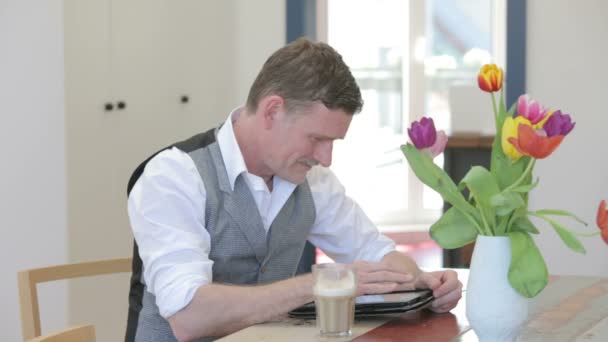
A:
<point x="263" y="269"/>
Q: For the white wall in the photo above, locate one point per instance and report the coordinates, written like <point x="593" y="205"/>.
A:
<point x="32" y="132"/>
<point x="32" y="172"/>
<point x="566" y="68"/>
<point x="260" y="27"/>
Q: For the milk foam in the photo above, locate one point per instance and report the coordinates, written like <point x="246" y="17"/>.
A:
<point x="335" y="288"/>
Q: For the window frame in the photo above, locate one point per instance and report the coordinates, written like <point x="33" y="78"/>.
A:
<point x="309" y="18"/>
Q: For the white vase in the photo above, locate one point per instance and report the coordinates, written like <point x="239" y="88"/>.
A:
<point x="495" y="310"/>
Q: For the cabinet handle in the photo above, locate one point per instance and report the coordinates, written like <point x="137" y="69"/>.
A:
<point x="184" y="99"/>
<point x="108" y="107"/>
<point x="121" y="105"/>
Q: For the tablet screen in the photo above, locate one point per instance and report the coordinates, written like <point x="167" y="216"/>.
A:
<point x="388" y="298"/>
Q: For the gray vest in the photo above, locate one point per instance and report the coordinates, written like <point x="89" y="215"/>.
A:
<point x="242" y="251"/>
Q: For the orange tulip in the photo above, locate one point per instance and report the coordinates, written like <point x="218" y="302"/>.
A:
<point x="531" y="144"/>
<point x="489" y="78"/>
<point x="602" y="220"/>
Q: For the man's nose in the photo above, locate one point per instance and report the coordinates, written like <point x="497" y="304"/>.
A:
<point x="323" y="153"/>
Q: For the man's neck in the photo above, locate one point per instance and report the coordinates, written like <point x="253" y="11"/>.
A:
<point x="244" y="132"/>
<point x="268" y="182"/>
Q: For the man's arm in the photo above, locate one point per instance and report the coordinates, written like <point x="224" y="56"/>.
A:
<point x="218" y="310"/>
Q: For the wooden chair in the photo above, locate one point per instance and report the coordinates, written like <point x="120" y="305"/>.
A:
<point x="81" y="333"/>
<point x="28" y="293"/>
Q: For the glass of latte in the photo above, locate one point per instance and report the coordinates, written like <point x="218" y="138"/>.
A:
<point x="335" y="290"/>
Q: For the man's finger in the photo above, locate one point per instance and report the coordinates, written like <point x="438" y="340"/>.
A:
<point x="377" y="288"/>
<point x="430" y="281"/>
<point x="408" y="286"/>
<point x="384" y="276"/>
<point x="448" y="283"/>
<point x="449" y="298"/>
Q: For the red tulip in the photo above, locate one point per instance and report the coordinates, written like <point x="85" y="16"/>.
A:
<point x="489" y="78"/>
<point x="602" y="220"/>
<point x="535" y="145"/>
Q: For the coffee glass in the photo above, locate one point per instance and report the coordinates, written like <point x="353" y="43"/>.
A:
<point x="335" y="290"/>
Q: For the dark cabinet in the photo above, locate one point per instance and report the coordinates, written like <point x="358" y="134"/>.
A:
<point x="461" y="153"/>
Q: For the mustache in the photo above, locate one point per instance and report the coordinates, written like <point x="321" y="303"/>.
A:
<point x="309" y="162"/>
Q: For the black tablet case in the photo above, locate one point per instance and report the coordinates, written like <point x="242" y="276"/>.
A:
<point x="307" y="311"/>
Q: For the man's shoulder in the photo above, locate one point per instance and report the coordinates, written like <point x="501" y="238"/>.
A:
<point x="323" y="179"/>
<point x="197" y="141"/>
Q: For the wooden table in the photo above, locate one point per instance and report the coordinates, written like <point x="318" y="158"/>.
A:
<point x="569" y="309"/>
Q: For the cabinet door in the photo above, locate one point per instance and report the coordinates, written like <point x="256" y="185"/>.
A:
<point x="200" y="46"/>
<point x="147" y="54"/>
<point x="97" y="220"/>
<point x="140" y="58"/>
<point x="90" y="143"/>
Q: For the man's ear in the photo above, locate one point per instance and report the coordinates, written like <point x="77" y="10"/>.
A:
<point x="270" y="108"/>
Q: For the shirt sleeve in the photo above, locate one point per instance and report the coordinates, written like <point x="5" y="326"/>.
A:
<point x="341" y="229"/>
<point x="166" y="211"/>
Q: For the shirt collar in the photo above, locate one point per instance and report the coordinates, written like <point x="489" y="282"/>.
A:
<point x="231" y="153"/>
<point x="233" y="157"/>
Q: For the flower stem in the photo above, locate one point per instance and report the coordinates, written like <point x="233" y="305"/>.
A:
<point x="494" y="106"/>
<point x="523" y="175"/>
<point x="586" y="234"/>
<point x="488" y="230"/>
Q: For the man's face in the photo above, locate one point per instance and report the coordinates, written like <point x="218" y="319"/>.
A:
<point x="299" y="141"/>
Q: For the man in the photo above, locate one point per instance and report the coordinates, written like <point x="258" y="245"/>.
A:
<point x="220" y="220"/>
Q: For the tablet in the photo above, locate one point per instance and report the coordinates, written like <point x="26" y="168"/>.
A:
<point x="372" y="305"/>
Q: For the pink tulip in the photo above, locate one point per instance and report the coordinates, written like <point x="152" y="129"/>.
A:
<point x="439" y="145"/>
<point x="531" y="109"/>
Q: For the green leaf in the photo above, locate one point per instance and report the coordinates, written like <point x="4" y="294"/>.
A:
<point x="524" y="224"/>
<point x="453" y="230"/>
<point x="528" y="272"/>
<point x="526" y="187"/>
<point x="557" y="212"/>
<point x="568" y="238"/>
<point x="436" y="178"/>
<point x="504" y="170"/>
<point x="506" y="203"/>
<point x="483" y="187"/>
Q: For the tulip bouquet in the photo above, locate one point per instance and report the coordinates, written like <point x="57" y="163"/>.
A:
<point x="497" y="204"/>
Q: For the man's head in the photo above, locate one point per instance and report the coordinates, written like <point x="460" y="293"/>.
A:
<point x="303" y="99"/>
<point x="304" y="72"/>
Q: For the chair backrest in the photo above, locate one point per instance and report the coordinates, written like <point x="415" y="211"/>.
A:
<point x="81" y="333"/>
<point x="28" y="279"/>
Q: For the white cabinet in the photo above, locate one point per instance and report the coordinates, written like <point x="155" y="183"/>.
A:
<point x="147" y="55"/>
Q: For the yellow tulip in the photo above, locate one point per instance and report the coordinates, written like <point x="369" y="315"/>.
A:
<point x="509" y="130"/>
<point x="489" y="78"/>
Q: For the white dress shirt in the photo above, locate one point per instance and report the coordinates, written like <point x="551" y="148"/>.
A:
<point x="166" y="210"/>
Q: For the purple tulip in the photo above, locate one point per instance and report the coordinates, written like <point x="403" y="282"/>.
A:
<point x="558" y="124"/>
<point x="423" y="133"/>
<point x="426" y="138"/>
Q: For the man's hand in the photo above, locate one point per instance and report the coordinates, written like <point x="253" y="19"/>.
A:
<point x="447" y="289"/>
<point x="380" y="277"/>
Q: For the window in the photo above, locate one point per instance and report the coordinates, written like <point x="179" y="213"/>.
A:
<point x="408" y="58"/>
